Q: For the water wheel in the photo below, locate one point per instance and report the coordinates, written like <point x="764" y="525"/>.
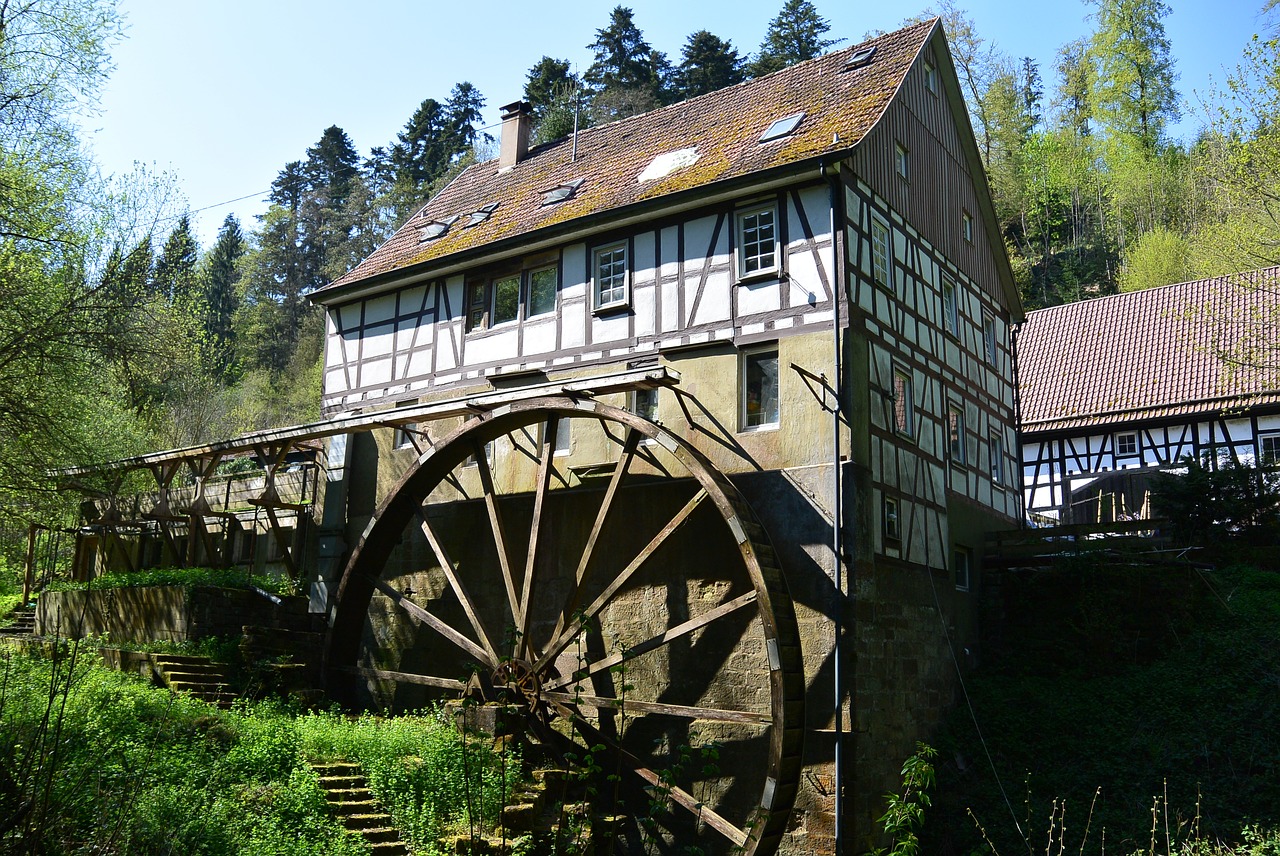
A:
<point x="633" y="603"/>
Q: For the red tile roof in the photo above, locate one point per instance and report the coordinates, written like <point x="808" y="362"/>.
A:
<point x="1180" y="350"/>
<point x="840" y="107"/>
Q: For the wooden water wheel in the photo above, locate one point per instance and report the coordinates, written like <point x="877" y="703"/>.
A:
<point x="633" y="603"/>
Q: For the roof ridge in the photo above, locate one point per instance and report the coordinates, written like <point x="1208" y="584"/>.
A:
<point x="1225" y="277"/>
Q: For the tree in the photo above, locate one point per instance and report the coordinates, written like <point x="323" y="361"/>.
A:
<point x="220" y="298"/>
<point x="707" y="64"/>
<point x="628" y="75"/>
<point x="1133" y="88"/>
<point x="175" y="267"/>
<point x="332" y="164"/>
<point x="795" y="35"/>
<point x="1159" y="257"/>
<point x="1076" y="75"/>
<point x="555" y="93"/>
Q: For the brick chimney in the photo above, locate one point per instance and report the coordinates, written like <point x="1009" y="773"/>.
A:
<point x="517" y="119"/>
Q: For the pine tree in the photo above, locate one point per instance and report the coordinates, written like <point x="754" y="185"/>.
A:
<point x="707" y="64"/>
<point x="554" y="93"/>
<point x="332" y="163"/>
<point x="175" y="267"/>
<point x="220" y="299"/>
<point x="795" y="35"/>
<point x="628" y="76"/>
<point x="423" y="149"/>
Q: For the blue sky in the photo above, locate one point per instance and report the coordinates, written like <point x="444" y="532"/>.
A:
<point x="222" y="95"/>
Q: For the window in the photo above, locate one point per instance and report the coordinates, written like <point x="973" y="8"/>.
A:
<point x="962" y="560"/>
<point x="477" y="305"/>
<point x="880" y="251"/>
<point x="760" y="389"/>
<point x="989" y="338"/>
<point x="757" y="241"/>
<point x="955" y="430"/>
<point x="404" y="433"/>
<point x="488" y="456"/>
<point x="506" y="299"/>
<point x="890" y="525"/>
<point x="1269" y="449"/>
<point x="1127" y="444"/>
<point x="950" y="307"/>
<point x="995" y="446"/>
<point x="644" y="403"/>
<point x="561" y="442"/>
<point x="966" y="226"/>
<point x="930" y="75"/>
<point x="542" y="290"/>
<point x="611" y="276"/>
<point x="904" y="416"/>
<point x="781" y="127"/>
<point x="900" y="159"/>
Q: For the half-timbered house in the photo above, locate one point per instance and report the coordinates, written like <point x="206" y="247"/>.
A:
<point x="682" y="432"/>
<point x="1118" y="388"/>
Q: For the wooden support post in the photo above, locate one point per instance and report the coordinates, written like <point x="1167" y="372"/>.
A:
<point x="29" y="578"/>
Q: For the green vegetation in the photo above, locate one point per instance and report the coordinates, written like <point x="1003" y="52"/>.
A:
<point x="1137" y="685"/>
<point x="97" y="761"/>
<point x="217" y="577"/>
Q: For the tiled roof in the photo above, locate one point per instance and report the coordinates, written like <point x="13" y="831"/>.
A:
<point x="840" y="107"/>
<point x="1180" y="350"/>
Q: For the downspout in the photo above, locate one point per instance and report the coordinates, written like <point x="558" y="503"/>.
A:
<point x="1014" y="329"/>
<point x="836" y="206"/>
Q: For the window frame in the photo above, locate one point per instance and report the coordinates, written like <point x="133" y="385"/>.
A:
<point x="901" y="156"/>
<point x="904" y="426"/>
<point x="950" y="306"/>
<point x="995" y="451"/>
<point x="528" y="289"/>
<point x="744" y="414"/>
<point x="1263" y="459"/>
<point x="402" y="437"/>
<point x="882" y="273"/>
<point x="962" y="558"/>
<point x="990" y="344"/>
<point x="930" y="75"/>
<point x="966" y="226"/>
<point x="493" y="283"/>
<point x="1135" y="451"/>
<point x="597" y="305"/>
<point x="957" y="435"/>
<point x="740" y="243"/>
<point x="890" y="522"/>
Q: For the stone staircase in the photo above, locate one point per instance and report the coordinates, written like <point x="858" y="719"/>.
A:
<point x="199" y="677"/>
<point x="349" y="798"/>
<point x="24" y="623"/>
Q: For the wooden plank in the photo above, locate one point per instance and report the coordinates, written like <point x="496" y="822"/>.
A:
<point x="558" y="644"/>
<point x="535" y="529"/>
<point x="656" y="641"/>
<point x="404" y="677"/>
<point x="499" y="538"/>
<point x="681" y="710"/>
<point x="431" y="621"/>
<point x="628" y="454"/>
<point x="450" y="572"/>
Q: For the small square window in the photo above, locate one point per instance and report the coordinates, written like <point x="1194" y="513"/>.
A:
<point x="1127" y="444"/>
<point x="900" y="159"/>
<point x="995" y="447"/>
<point x="989" y="343"/>
<point x="950" y="306"/>
<point x="962" y="562"/>
<point x="644" y="403"/>
<point x="930" y="75"/>
<point x="881" y="253"/>
<point x="760" y="389"/>
<point x="890" y="524"/>
<point x="956" y="433"/>
<point x="966" y="226"/>
<point x="610" y="271"/>
<point x="488" y="456"/>
<point x="1269" y="449"/>
<point x="757" y="241"/>
<point x="506" y="299"/>
<point x="477" y="305"/>
<point x="904" y="416"/>
<point x="542" y="290"/>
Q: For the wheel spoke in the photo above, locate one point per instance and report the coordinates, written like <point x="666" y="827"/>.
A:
<point x="655" y="641"/>
<point x="628" y="452"/>
<point x="544" y="478"/>
<point x="405" y="677"/>
<point x="686" y="711"/>
<point x="495" y="523"/>
<point x="446" y="565"/>
<point x="434" y="623"/>
<point x="560" y="642"/>
<point x="678" y="795"/>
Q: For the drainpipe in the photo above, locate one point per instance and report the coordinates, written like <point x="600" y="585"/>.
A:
<point x="836" y="200"/>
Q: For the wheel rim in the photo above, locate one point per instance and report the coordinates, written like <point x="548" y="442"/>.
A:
<point x="513" y="583"/>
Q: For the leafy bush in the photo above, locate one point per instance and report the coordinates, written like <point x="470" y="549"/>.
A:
<point x="1207" y="506"/>
<point x="215" y="577"/>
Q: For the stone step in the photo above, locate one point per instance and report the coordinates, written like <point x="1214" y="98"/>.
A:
<point x="340" y="783"/>
<point x="353" y="807"/>
<point x="381" y="834"/>
<point x="361" y="822"/>
<point x="350" y="801"/>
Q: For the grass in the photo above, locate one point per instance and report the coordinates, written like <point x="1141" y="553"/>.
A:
<point x="216" y="577"/>
<point x="104" y="763"/>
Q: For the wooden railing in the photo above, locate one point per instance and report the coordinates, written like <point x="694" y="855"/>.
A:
<point x="1131" y="541"/>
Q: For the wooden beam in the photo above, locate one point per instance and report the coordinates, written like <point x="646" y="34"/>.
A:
<point x="545" y="469"/>
<point x="499" y="537"/>
<point x="682" y="710"/>
<point x="450" y="572"/>
<point x="434" y="623"/>
<point x="404" y="677"/>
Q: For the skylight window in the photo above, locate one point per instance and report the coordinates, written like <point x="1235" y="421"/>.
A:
<point x="782" y="127"/>
<point x="482" y="215"/>
<point x="667" y="163"/>
<point x="860" y="58"/>
<point x="434" y="229"/>
<point x="561" y="192"/>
